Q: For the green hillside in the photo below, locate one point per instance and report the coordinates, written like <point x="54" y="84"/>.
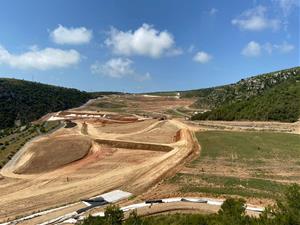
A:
<point x="270" y="96"/>
<point x="24" y="101"/>
<point x="281" y="103"/>
<point x="244" y="89"/>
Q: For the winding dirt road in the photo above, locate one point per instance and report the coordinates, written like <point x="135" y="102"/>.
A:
<point x="100" y="171"/>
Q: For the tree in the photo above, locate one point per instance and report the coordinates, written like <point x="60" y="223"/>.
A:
<point x="287" y="210"/>
<point x="233" y="211"/>
<point x="133" y="219"/>
<point x="90" y="220"/>
<point x="113" y="215"/>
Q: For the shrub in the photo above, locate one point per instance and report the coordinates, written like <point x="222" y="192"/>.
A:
<point x="133" y="219"/>
<point x="114" y="215"/>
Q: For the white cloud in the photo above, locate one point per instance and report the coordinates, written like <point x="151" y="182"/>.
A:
<point x="44" y="59"/>
<point x="115" y="68"/>
<point x="213" y="11"/>
<point x="118" y="68"/>
<point x="202" y="57"/>
<point x="256" y="20"/>
<point x="284" y="47"/>
<point x="72" y="36"/>
<point x="255" y="49"/>
<point x="268" y="47"/>
<point x="145" y="41"/>
<point x="287" y="5"/>
<point x="252" y="49"/>
<point x="174" y="52"/>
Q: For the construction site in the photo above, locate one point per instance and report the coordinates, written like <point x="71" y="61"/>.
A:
<point x="129" y="143"/>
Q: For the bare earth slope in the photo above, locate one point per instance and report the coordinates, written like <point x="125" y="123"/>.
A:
<point x="69" y="164"/>
<point x="51" y="153"/>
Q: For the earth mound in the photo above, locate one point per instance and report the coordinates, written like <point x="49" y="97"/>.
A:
<point x="49" y="154"/>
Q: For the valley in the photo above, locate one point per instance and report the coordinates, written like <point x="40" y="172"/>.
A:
<point x="141" y="147"/>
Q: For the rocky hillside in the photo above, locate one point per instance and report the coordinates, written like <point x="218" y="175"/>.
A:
<point x="245" y="89"/>
<point x="272" y="96"/>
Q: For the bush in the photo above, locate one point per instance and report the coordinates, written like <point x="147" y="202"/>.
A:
<point x="93" y="220"/>
<point x="133" y="219"/>
<point x="233" y="211"/>
<point x="43" y="130"/>
<point x="287" y="210"/>
<point x="113" y="215"/>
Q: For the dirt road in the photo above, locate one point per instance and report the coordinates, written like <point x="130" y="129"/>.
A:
<point x="103" y="169"/>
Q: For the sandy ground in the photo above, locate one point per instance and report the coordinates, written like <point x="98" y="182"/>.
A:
<point x="56" y="155"/>
<point x="104" y="168"/>
<point x="177" y="207"/>
<point x="163" y="132"/>
<point x="123" y="128"/>
<point x="248" y="126"/>
<point x="139" y="104"/>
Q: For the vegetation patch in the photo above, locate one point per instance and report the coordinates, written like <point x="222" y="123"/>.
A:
<point x="248" y="164"/>
<point x="226" y="185"/>
<point x="12" y="139"/>
<point x="281" y="103"/>
<point x="249" y="147"/>
<point x="23" y="101"/>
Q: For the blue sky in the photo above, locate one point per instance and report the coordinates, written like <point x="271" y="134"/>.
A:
<point x="150" y="45"/>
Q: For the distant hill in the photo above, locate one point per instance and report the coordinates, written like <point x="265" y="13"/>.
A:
<point x="272" y="96"/>
<point x="23" y="101"/>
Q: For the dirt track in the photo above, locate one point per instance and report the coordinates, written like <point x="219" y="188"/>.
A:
<point x="131" y="169"/>
<point x="123" y="159"/>
<point x="249" y="126"/>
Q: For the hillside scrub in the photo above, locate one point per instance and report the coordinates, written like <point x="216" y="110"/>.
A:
<point x="281" y="103"/>
<point x="13" y="139"/>
<point x="23" y="101"/>
<point x="210" y="98"/>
